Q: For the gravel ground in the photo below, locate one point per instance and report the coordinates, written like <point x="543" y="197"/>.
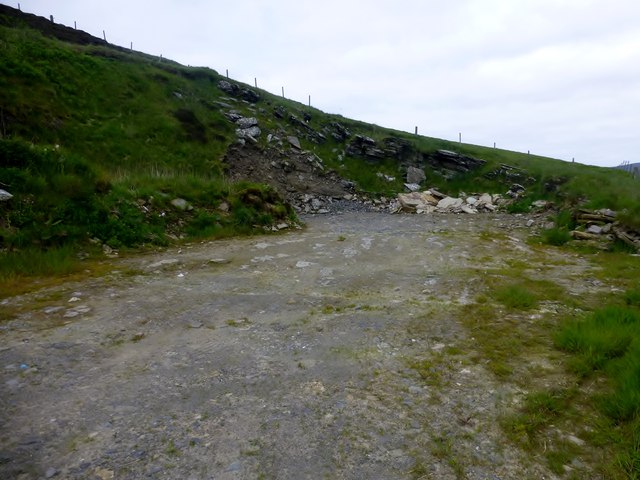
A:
<point x="282" y="356"/>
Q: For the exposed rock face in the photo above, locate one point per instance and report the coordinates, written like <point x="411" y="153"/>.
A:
<point x="246" y="122"/>
<point x="400" y="149"/>
<point x="228" y="87"/>
<point x="444" y="162"/>
<point x="510" y="174"/>
<point x="251" y="133"/>
<point x="249" y="95"/>
<point x="364" y="147"/>
<point x="279" y="112"/>
<point x="248" y="129"/>
<point x="339" y="132"/>
<point x="450" y="163"/>
<point x="295" y="121"/>
<point x="235" y="90"/>
<point x="294" y="142"/>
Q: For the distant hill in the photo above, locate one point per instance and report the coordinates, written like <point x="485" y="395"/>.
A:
<point x="630" y="167"/>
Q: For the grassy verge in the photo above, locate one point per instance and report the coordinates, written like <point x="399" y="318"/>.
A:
<point x="605" y="345"/>
<point x="581" y="410"/>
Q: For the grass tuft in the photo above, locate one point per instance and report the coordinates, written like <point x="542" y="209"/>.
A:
<point x="516" y="297"/>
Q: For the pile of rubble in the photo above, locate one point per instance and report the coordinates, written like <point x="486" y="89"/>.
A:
<point x="432" y="201"/>
<point x="601" y="225"/>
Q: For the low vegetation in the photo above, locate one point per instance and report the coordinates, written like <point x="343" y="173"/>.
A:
<point x="584" y="406"/>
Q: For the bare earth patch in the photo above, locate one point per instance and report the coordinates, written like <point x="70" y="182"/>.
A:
<point x="342" y="351"/>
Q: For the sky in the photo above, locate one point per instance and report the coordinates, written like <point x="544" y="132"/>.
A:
<point x="559" y="78"/>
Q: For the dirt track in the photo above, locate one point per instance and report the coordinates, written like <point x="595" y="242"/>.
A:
<point x="270" y="357"/>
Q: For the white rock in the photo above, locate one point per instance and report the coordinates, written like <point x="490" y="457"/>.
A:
<point x="4" y="195"/>
<point x="468" y="209"/>
<point x="540" y="203"/>
<point x="294" y="142"/>
<point x="595" y="229"/>
<point x="219" y="261"/>
<point x="163" y="263"/>
<point x="450" y="202"/>
<point x="472" y="200"/>
<point x="484" y="199"/>
<point x="181" y="204"/>
<point x="250" y="133"/>
<point x="247" y="122"/>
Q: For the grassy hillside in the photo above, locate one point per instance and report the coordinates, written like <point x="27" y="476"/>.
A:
<point x="97" y="141"/>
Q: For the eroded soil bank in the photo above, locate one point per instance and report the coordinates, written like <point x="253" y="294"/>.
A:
<point x="290" y="356"/>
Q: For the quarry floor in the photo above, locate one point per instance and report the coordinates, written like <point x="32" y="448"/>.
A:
<point x="289" y="356"/>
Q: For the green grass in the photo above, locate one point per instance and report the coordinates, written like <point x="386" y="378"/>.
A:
<point x="516" y="297"/>
<point x="559" y="234"/>
<point x="556" y="236"/>
<point x="36" y="262"/>
<point x="632" y="297"/>
<point x="598" y="396"/>
<point x="607" y="334"/>
<point x="605" y="354"/>
<point x="540" y="409"/>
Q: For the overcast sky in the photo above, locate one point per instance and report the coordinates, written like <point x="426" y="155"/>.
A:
<point x="560" y="78"/>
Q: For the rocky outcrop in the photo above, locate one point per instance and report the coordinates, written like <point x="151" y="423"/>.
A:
<point x="449" y="163"/>
<point x="364" y="147"/>
<point x="248" y="129"/>
<point x="235" y="90"/>
<point x="339" y="131"/>
<point x="510" y="174"/>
